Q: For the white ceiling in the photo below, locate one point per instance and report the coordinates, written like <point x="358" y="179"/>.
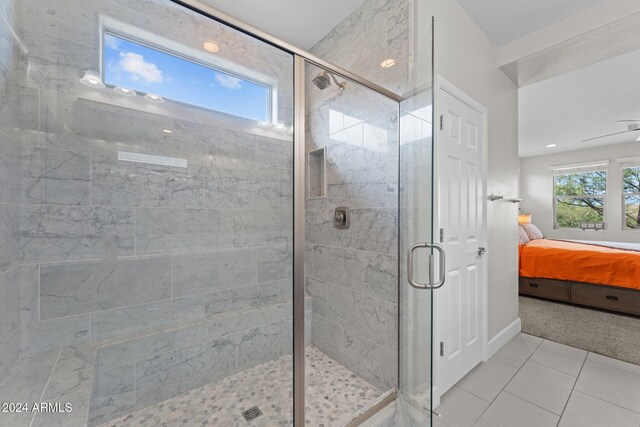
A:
<point x="507" y="20"/>
<point x="302" y="23"/>
<point x="582" y="104"/>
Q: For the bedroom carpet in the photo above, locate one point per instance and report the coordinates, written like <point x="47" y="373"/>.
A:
<point x="610" y="334"/>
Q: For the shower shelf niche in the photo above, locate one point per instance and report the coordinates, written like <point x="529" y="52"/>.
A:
<point x="317" y="178"/>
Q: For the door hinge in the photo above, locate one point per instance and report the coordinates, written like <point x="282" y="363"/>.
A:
<point x="442" y="235"/>
<point x="441" y="348"/>
<point x="441" y="121"/>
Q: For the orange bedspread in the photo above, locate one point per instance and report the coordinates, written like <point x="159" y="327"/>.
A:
<point x="553" y="259"/>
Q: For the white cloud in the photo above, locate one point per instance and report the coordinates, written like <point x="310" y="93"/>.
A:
<point x="139" y="69"/>
<point x="228" y="81"/>
<point x="111" y="42"/>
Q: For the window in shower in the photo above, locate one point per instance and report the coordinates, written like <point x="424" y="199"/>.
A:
<point x="148" y="69"/>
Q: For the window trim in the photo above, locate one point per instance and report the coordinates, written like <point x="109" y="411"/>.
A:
<point x="623" y="166"/>
<point x="150" y="40"/>
<point x="574" y="170"/>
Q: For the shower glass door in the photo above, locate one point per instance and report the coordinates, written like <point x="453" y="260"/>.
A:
<point x="418" y="254"/>
<point x="351" y="258"/>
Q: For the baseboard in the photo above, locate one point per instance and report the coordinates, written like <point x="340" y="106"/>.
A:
<point x="501" y="338"/>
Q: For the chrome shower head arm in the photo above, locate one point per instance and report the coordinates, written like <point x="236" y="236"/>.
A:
<point x="340" y="85"/>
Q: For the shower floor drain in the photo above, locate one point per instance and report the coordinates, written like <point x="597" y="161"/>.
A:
<point x="251" y="413"/>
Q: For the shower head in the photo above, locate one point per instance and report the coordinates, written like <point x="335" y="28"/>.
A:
<point x="323" y="81"/>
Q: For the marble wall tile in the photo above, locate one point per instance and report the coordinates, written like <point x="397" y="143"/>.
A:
<point x="374" y="230"/>
<point x="324" y="336"/>
<point x="348" y="163"/>
<point x="319" y="228"/>
<point x="9" y="170"/>
<point x="274" y="158"/>
<point x="170" y="374"/>
<point x="125" y="320"/>
<point x="102" y="126"/>
<point x="10" y="102"/>
<point x="9" y="350"/>
<point x="66" y="19"/>
<point x="264" y="343"/>
<point x="241" y="194"/>
<point x="54" y="63"/>
<point x="275" y="263"/>
<point x="188" y="309"/>
<point x="381" y="276"/>
<point x="9" y="235"/>
<point x="241" y="298"/>
<point x="339" y="266"/>
<point x="262" y="227"/>
<point x="123" y="183"/>
<point x="74" y="288"/>
<point x="49" y="334"/>
<point x="225" y="324"/>
<point x="200" y="273"/>
<point x="392" y="327"/>
<point x="53" y="177"/>
<point x="181" y="230"/>
<point x="9" y="302"/>
<point x="29" y="295"/>
<point x="56" y="233"/>
<point x="113" y="394"/>
<point x="374" y="363"/>
<point x="148" y="346"/>
<point x="73" y="372"/>
<point x="355" y="311"/>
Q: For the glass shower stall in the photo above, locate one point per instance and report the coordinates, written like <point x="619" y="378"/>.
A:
<point x="203" y="225"/>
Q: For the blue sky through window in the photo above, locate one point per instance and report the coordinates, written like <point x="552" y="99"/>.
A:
<point x="135" y="66"/>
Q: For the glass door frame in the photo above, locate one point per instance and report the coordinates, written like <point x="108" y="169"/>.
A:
<point x="300" y="57"/>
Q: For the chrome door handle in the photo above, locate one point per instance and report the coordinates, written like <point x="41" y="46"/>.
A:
<point x="443" y="266"/>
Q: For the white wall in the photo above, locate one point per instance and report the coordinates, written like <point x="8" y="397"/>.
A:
<point x="536" y="182"/>
<point x="467" y="58"/>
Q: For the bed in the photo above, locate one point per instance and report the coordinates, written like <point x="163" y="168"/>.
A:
<point x="597" y="274"/>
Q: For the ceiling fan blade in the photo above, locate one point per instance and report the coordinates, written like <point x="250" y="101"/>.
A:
<point x="625" y="121"/>
<point x="604" y="136"/>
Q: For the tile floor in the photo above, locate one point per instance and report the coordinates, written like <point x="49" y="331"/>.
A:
<point x="533" y="382"/>
<point x="336" y="396"/>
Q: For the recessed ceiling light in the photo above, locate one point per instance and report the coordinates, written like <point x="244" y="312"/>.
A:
<point x="551" y="145"/>
<point x="124" y="91"/>
<point x="92" y="79"/>
<point x="167" y="131"/>
<point x="388" y="63"/>
<point x="211" y="47"/>
<point x="154" y="98"/>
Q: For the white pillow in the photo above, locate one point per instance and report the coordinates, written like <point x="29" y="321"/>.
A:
<point x="523" y="236"/>
<point x="533" y="232"/>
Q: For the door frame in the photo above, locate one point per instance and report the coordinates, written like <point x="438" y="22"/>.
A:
<point x="442" y="84"/>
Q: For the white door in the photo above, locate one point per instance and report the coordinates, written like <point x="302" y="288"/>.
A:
<point x="461" y="208"/>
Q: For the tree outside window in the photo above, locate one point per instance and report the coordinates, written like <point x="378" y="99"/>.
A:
<point x="579" y="197"/>
<point x="631" y="197"/>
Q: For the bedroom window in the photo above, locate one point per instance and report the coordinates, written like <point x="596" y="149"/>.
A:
<point x="631" y="197"/>
<point x="579" y="197"/>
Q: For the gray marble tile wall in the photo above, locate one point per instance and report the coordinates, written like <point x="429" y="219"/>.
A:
<point x="10" y="118"/>
<point x="137" y="372"/>
<point x="375" y="31"/>
<point x="351" y="275"/>
<point x="109" y="248"/>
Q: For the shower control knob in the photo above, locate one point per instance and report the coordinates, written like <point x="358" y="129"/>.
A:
<point x="341" y="218"/>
